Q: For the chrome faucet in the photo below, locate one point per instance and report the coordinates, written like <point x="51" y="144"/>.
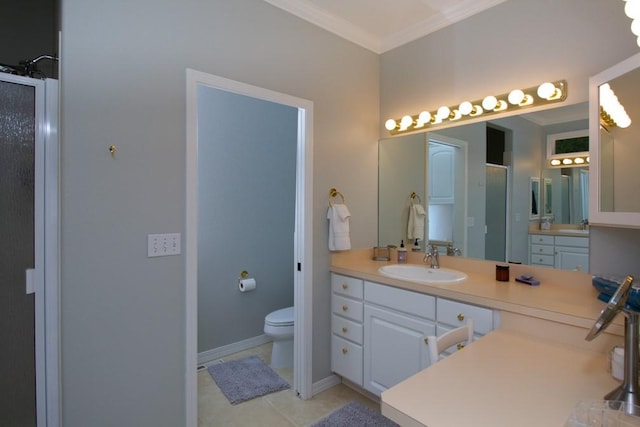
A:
<point x="584" y="224"/>
<point x="432" y="256"/>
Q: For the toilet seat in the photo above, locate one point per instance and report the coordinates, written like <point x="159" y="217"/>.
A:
<point x="282" y="317"/>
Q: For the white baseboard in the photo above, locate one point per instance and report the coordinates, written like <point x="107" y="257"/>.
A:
<point x="325" y="384"/>
<point x="225" y="350"/>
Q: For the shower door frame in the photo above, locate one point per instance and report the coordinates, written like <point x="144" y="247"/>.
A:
<point x="44" y="277"/>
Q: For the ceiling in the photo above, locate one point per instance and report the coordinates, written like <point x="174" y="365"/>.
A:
<point x="381" y="25"/>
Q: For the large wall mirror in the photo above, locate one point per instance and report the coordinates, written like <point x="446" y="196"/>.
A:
<point x="616" y="133"/>
<point x="475" y="183"/>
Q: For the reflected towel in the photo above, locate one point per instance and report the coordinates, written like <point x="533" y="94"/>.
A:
<point x="415" y="228"/>
<point x="339" y="239"/>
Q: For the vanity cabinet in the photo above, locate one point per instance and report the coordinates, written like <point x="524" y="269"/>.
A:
<point x="346" y="326"/>
<point x="379" y="332"/>
<point x="397" y="323"/>
<point x="562" y="252"/>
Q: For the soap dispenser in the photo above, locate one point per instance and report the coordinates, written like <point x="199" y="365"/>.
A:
<point x="402" y="253"/>
<point x="416" y="246"/>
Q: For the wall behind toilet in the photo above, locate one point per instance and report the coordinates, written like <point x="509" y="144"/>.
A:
<point x="246" y="206"/>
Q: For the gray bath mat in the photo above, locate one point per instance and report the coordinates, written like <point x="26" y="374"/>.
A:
<point x="246" y="379"/>
<point x="354" y="414"/>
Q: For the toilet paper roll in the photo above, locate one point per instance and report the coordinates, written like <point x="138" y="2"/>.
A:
<point x="246" y="285"/>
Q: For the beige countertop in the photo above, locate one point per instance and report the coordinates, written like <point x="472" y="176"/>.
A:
<point x="502" y="379"/>
<point x="563" y="296"/>
<point x="531" y="371"/>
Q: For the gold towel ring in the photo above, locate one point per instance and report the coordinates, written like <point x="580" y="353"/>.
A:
<point x="335" y="193"/>
<point x="414" y="196"/>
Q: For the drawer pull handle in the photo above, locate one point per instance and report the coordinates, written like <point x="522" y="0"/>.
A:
<point x="345" y="307"/>
<point x="460" y="317"/>
<point x="460" y="346"/>
<point x="344" y="329"/>
<point x="426" y="341"/>
<point x="345" y="286"/>
<point x="345" y="351"/>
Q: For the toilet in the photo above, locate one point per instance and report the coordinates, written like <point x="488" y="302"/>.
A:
<point x="278" y="325"/>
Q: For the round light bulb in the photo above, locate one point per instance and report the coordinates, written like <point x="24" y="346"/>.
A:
<point x="443" y="112"/>
<point x="390" y="124"/>
<point x="424" y="117"/>
<point x="465" y="108"/>
<point x="635" y="27"/>
<point x="405" y="122"/>
<point x="516" y="96"/>
<point x="624" y="121"/>
<point x="555" y="162"/>
<point x="588" y="159"/>
<point x="489" y="102"/>
<point x="477" y="110"/>
<point x="455" y="115"/>
<point x="632" y="9"/>
<point x="567" y="161"/>
<point x="546" y="90"/>
<point x="579" y="160"/>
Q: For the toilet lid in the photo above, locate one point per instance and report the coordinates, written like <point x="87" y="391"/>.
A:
<point x="282" y="317"/>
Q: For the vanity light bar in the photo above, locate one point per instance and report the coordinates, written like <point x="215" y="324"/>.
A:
<point x="517" y="99"/>
<point x="612" y="113"/>
<point x="569" y="161"/>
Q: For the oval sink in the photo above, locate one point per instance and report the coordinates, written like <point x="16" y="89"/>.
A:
<point x="422" y="274"/>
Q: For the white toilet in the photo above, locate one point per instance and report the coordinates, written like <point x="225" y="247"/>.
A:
<point x="278" y="325"/>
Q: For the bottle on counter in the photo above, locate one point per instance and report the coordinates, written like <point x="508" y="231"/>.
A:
<point x="402" y="253"/>
<point x="416" y="246"/>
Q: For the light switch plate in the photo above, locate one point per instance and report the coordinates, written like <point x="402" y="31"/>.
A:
<point x="163" y="244"/>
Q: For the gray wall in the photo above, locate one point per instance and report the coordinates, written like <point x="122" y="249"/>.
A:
<point x="123" y="83"/>
<point x="518" y="43"/>
<point x="246" y="213"/>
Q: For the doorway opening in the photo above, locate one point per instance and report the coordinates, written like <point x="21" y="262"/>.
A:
<point x="301" y="264"/>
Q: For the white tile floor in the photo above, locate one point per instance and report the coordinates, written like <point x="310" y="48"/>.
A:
<point x="282" y="408"/>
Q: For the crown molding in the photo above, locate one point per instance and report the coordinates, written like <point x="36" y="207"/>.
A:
<point x="329" y="22"/>
<point x="345" y="29"/>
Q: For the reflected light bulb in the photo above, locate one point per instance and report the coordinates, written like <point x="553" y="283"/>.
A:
<point x="390" y="124"/>
<point x="555" y="162"/>
<point x="579" y="160"/>
<point x="489" y="102"/>
<point x="516" y="96"/>
<point x="567" y="161"/>
<point x="465" y="108"/>
<point x="635" y="27"/>
<point x="546" y="90"/>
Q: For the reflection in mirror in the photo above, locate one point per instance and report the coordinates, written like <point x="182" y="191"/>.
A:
<point x="619" y="145"/>
<point x="515" y="144"/>
<point x="534" y="190"/>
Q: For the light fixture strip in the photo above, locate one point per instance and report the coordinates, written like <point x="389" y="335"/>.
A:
<point x="569" y="161"/>
<point x="546" y="93"/>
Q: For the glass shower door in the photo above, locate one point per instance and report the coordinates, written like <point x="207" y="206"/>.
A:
<point x="18" y="129"/>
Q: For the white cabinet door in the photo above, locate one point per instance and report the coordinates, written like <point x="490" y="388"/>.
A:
<point x="394" y="346"/>
<point x="569" y="258"/>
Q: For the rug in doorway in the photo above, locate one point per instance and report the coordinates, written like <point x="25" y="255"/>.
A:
<point x="355" y="414"/>
<point x="245" y="379"/>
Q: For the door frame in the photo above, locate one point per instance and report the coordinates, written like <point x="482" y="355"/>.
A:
<point x="302" y="236"/>
<point x="42" y="281"/>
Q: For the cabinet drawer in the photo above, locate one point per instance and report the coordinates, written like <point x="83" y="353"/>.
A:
<point x="346" y="285"/>
<point x="542" y="259"/>
<point x="541" y="250"/>
<point x="346" y="307"/>
<point x="456" y="313"/>
<point x="402" y="300"/>
<point x="346" y="359"/>
<point x="346" y="328"/>
<point x="580" y="242"/>
<point x="541" y="239"/>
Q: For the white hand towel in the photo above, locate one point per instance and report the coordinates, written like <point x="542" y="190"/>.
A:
<point x="339" y="239"/>
<point x="415" y="228"/>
